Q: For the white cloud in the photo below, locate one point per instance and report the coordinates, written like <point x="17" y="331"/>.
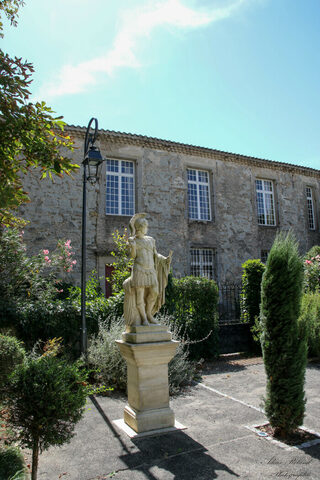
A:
<point x="136" y="24"/>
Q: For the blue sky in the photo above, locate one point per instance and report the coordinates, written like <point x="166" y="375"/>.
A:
<point x="236" y="75"/>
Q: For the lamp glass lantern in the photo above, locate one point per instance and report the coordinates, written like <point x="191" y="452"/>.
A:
<point x="93" y="160"/>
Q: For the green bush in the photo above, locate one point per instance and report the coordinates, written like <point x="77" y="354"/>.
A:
<point x="12" y="462"/>
<point x="12" y="354"/>
<point x="46" y="398"/>
<point x="110" y="368"/>
<point x="251" y="290"/>
<point x="283" y="343"/>
<point x="309" y="321"/>
<point x="192" y="303"/>
<point x="42" y="320"/>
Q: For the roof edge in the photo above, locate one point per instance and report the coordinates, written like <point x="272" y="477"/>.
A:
<point x="153" y="142"/>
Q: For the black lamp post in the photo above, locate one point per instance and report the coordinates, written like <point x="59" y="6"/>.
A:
<point x="91" y="163"/>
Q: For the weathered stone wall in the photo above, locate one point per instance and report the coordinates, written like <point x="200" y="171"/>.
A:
<point x="161" y="192"/>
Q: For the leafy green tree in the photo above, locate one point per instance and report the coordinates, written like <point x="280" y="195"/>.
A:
<point x="122" y="263"/>
<point x="283" y="343"/>
<point x="30" y="136"/>
<point x="46" y="398"/>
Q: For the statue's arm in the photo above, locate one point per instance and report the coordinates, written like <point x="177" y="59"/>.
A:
<point x="132" y="247"/>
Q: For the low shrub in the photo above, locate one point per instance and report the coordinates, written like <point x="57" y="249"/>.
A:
<point x="309" y="321"/>
<point x="110" y="368"/>
<point x="192" y="305"/>
<point x="104" y="357"/>
<point x="12" y="464"/>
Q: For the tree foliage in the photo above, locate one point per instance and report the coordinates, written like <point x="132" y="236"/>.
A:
<point x="30" y="135"/>
<point x="283" y="343"/>
<point x="122" y="263"/>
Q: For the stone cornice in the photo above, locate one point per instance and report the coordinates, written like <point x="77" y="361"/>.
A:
<point x="121" y="138"/>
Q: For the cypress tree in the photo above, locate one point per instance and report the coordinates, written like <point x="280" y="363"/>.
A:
<point x="283" y="344"/>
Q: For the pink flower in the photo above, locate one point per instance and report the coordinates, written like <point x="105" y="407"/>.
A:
<point x="45" y="252"/>
<point x="307" y="262"/>
<point x="74" y="262"/>
<point x="47" y="259"/>
<point x="67" y="244"/>
<point x="69" y="269"/>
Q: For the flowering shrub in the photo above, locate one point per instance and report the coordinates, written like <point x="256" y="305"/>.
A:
<point x="312" y="274"/>
<point x="32" y="277"/>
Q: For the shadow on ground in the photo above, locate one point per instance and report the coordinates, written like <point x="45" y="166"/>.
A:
<point x="156" y="456"/>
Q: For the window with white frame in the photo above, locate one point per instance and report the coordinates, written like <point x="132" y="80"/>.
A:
<point x="311" y="221"/>
<point x="199" y="195"/>
<point x="265" y="202"/>
<point x="120" y="187"/>
<point x="202" y="262"/>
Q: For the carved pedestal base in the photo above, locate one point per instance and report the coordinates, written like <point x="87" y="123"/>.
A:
<point x="148" y="389"/>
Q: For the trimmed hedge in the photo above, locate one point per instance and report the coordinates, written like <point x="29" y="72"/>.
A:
<point x="192" y="302"/>
<point x="251" y="290"/>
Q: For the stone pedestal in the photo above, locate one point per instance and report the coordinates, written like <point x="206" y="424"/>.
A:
<point x="147" y="351"/>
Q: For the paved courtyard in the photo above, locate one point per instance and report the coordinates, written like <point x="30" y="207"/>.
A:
<point x="217" y="442"/>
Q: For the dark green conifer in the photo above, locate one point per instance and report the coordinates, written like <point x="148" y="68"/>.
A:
<point x="283" y="344"/>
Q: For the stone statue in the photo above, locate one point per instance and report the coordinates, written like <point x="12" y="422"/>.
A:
<point x="144" y="290"/>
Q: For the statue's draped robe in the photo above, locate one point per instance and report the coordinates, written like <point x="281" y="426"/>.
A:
<point x="131" y="314"/>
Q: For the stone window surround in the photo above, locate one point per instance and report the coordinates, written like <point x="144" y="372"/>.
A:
<point x="209" y="170"/>
<point x="275" y="203"/>
<point x="135" y="181"/>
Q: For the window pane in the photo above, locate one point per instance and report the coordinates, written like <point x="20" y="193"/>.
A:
<point x="204" y="202"/>
<point x="267" y="186"/>
<point x="112" y="165"/>
<point x="127" y="167"/>
<point x="259" y="184"/>
<point x="127" y="196"/>
<point x="192" y="175"/>
<point x="203" y="176"/>
<point x="112" y="196"/>
<point x="193" y="202"/>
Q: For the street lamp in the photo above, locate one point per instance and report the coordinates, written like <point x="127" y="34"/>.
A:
<point x="91" y="162"/>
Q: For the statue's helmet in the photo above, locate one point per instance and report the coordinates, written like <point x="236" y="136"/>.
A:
<point x="136" y="221"/>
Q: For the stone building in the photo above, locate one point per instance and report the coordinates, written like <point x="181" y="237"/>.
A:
<point x="214" y="209"/>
